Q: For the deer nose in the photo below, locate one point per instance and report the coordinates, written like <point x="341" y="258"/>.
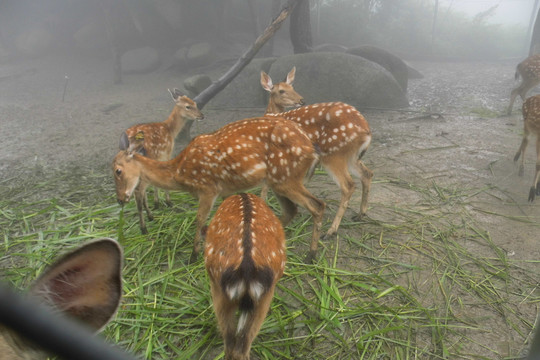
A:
<point x="301" y="102"/>
<point x="120" y="202"/>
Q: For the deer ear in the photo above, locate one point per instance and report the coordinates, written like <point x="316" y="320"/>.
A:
<point x="124" y="141"/>
<point x="85" y="284"/>
<point x="290" y="76"/>
<point x="175" y="93"/>
<point x="266" y="81"/>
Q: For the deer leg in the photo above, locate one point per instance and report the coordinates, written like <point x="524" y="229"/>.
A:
<point x="156" y="198"/>
<point x="298" y="194"/>
<point x="225" y="313"/>
<point x="168" y="201"/>
<point x="535" y="188"/>
<point x="252" y="326"/>
<point x="513" y="95"/>
<point x="521" y="151"/>
<point x="337" y="168"/>
<point x="206" y="201"/>
<point x="365" y="175"/>
<point x="288" y="209"/>
<point x="142" y="203"/>
<point x="264" y="191"/>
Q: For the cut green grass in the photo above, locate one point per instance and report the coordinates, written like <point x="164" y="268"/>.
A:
<point x="427" y="284"/>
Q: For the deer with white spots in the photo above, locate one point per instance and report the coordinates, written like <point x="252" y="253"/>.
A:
<point x="85" y="285"/>
<point x="237" y="157"/>
<point x="159" y="140"/>
<point x="244" y="257"/>
<point x="339" y="130"/>
<point x="531" y="124"/>
<point x="529" y="70"/>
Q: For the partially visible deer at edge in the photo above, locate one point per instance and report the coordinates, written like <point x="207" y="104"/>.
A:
<point x="84" y="284"/>
<point x="159" y="138"/>
<point x="529" y="71"/>
<point x="244" y="257"/>
<point x="339" y="130"/>
<point x="237" y="157"/>
<point x="531" y="125"/>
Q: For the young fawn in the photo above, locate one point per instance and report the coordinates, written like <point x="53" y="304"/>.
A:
<point x="531" y="124"/>
<point x="84" y="284"/>
<point x="340" y="132"/>
<point x="235" y="158"/>
<point x="159" y="145"/>
<point x="529" y="70"/>
<point x="245" y="258"/>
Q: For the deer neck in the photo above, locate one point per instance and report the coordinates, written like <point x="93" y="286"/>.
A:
<point x="161" y="174"/>
<point x="273" y="107"/>
<point x="175" y="122"/>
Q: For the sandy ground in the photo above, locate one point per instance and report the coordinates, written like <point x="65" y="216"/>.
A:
<point x="466" y="144"/>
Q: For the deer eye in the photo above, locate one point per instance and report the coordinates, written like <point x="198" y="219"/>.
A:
<point x="188" y="107"/>
<point x="282" y="91"/>
<point x="118" y="172"/>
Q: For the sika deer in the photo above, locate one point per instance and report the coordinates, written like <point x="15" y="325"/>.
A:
<point x="159" y="144"/>
<point x="84" y="284"/>
<point x="236" y="157"/>
<point x="531" y="124"/>
<point x="339" y="130"/>
<point x="245" y="258"/>
<point x="529" y="70"/>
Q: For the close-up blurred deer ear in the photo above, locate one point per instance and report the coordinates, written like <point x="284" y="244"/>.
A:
<point x="175" y="93"/>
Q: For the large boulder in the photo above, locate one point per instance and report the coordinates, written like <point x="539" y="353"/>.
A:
<point x="397" y="67"/>
<point x="320" y="77"/>
<point x="245" y="90"/>
<point x="323" y="77"/>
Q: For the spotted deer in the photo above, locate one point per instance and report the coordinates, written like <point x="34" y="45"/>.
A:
<point x="529" y="71"/>
<point x="159" y="140"/>
<point x="237" y="157"/>
<point x="84" y="284"/>
<point x="531" y="124"/>
<point x="244" y="257"/>
<point x="340" y="132"/>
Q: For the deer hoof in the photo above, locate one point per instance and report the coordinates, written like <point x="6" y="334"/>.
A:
<point x="144" y="231"/>
<point x="193" y="257"/>
<point x="532" y="193"/>
<point x="310" y="257"/>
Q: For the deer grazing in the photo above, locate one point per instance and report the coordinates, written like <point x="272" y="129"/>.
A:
<point x="531" y="124"/>
<point x="529" y="70"/>
<point x="84" y="284"/>
<point x="159" y="145"/>
<point x="244" y="257"/>
<point x="340" y="132"/>
<point x="235" y="158"/>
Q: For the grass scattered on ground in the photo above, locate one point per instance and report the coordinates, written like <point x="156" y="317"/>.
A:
<point x="423" y="284"/>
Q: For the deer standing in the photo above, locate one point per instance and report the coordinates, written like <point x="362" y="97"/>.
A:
<point x="529" y="70"/>
<point x="235" y="158"/>
<point x="531" y="124"/>
<point x="84" y="284"/>
<point x="159" y="144"/>
<point x="244" y="257"/>
<point x="340" y="132"/>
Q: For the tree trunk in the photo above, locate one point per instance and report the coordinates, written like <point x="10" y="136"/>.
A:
<point x="211" y="91"/>
<point x="535" y="37"/>
<point x="300" y="29"/>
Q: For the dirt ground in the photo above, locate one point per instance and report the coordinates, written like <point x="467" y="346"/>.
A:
<point x="464" y="144"/>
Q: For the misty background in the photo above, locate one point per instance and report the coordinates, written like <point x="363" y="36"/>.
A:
<point x="479" y="30"/>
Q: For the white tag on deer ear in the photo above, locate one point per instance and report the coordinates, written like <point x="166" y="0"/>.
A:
<point x="84" y="284"/>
